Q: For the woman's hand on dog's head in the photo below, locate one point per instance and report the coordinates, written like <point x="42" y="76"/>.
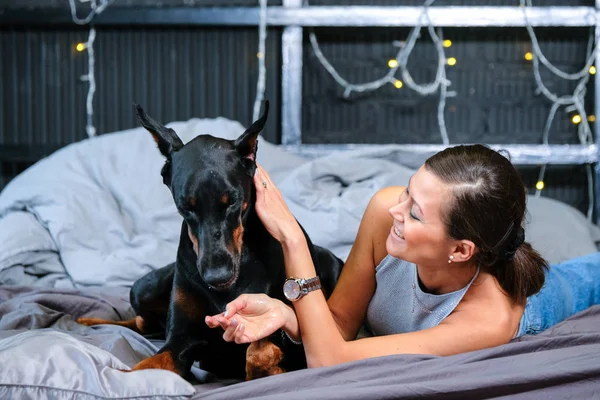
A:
<point x="272" y="209"/>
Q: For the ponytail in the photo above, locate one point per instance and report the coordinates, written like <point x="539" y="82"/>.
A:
<point x="522" y="275"/>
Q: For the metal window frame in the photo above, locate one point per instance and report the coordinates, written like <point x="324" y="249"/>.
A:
<point x="455" y="16"/>
<point x="293" y="16"/>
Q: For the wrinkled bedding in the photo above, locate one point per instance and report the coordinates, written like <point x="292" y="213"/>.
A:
<point x="51" y="356"/>
<point x="80" y="226"/>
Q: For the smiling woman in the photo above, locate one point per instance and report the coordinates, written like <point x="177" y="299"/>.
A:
<point x="429" y="263"/>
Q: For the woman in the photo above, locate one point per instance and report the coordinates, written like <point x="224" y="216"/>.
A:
<point x="439" y="267"/>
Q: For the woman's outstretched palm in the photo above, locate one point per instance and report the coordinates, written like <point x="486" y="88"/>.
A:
<point x="249" y="318"/>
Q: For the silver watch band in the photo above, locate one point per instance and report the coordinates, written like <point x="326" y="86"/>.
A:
<point x="311" y="284"/>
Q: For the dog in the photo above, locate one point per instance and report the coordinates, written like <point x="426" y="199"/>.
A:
<point x="224" y="250"/>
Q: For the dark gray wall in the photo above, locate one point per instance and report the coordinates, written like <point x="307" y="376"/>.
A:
<point x="179" y="72"/>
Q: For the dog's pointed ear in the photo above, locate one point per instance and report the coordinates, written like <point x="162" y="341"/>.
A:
<point x="166" y="138"/>
<point x="247" y="144"/>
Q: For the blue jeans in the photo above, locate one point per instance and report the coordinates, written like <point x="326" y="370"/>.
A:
<point x="570" y="287"/>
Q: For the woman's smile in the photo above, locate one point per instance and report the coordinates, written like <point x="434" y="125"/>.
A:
<point x="396" y="233"/>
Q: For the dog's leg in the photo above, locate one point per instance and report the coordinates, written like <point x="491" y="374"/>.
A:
<point x="149" y="298"/>
<point x="136" y="324"/>
<point x="263" y="358"/>
<point x="185" y="324"/>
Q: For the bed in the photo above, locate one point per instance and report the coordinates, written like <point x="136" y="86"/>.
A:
<point x="80" y="226"/>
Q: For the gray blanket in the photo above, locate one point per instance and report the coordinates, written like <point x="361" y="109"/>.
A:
<point x="562" y="363"/>
<point x="45" y="354"/>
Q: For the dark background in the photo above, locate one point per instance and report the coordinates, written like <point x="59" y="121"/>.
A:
<point x="177" y="72"/>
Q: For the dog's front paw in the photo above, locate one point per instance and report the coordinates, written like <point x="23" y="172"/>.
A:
<point x="263" y="359"/>
<point x="164" y="360"/>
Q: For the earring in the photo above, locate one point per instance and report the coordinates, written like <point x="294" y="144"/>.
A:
<point x="450" y="259"/>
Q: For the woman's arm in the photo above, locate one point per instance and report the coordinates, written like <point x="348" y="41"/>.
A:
<point x="468" y="329"/>
<point x="356" y="285"/>
<point x="354" y="289"/>
<point x="349" y="301"/>
<point x="459" y="333"/>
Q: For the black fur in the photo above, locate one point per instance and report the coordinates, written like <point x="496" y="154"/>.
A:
<point x="211" y="179"/>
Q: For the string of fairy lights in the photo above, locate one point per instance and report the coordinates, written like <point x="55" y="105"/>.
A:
<point x="573" y="103"/>
<point x="399" y="62"/>
<point x="95" y="9"/>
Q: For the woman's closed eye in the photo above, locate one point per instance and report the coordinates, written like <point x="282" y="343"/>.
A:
<point x="413" y="216"/>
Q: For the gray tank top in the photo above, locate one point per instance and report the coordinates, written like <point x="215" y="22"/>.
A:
<point x="399" y="305"/>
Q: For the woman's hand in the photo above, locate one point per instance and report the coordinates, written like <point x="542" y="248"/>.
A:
<point x="272" y="210"/>
<point x="251" y="317"/>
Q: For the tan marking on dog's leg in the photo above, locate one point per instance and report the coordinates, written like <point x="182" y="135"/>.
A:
<point x="262" y="359"/>
<point x="135" y="324"/>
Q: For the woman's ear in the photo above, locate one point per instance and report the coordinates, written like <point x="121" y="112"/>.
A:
<point x="463" y="251"/>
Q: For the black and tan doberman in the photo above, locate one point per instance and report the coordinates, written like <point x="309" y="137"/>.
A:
<point x="224" y="251"/>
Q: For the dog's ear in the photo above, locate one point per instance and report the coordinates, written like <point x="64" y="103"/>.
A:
<point x="166" y="138"/>
<point x="247" y="144"/>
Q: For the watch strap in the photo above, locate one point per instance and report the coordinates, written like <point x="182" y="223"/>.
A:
<point x="311" y="284"/>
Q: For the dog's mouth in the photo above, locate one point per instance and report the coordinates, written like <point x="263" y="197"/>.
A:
<point x="220" y="287"/>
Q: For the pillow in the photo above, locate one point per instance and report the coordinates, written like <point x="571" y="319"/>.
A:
<point x="42" y="364"/>
<point x="559" y="231"/>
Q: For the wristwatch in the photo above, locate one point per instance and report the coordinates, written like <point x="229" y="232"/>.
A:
<point x="296" y="288"/>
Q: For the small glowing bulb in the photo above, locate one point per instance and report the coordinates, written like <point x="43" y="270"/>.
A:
<point x="452" y="61"/>
<point x="259" y="55"/>
<point x="528" y="56"/>
<point x="576" y="119"/>
<point x="592" y="118"/>
<point x="392" y="63"/>
<point x="592" y="70"/>
<point x="539" y="185"/>
<point x="447" y="43"/>
<point x="398" y="84"/>
<point x="80" y="46"/>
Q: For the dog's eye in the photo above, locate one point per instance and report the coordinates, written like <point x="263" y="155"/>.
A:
<point x="228" y="200"/>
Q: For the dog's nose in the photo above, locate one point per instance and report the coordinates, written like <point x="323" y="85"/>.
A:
<point x="219" y="275"/>
<point x="221" y="279"/>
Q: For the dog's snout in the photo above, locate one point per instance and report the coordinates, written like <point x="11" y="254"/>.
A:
<point x="220" y="272"/>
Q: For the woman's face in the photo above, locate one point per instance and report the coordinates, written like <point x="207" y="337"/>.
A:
<point x="418" y="234"/>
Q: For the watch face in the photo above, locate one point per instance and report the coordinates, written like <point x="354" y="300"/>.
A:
<point x="291" y="289"/>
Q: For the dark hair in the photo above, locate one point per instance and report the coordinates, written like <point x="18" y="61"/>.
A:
<point x="488" y="209"/>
